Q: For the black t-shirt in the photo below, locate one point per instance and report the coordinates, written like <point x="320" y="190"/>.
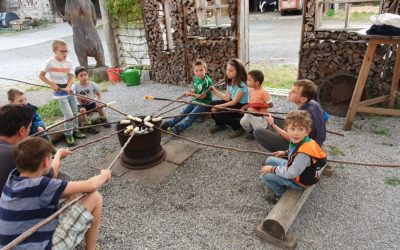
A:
<point x="7" y="162"/>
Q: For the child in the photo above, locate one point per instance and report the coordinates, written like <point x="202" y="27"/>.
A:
<point x="236" y="97"/>
<point x="32" y="193"/>
<point x="302" y="93"/>
<point x="260" y="101"/>
<point x="201" y="84"/>
<point x="60" y="79"/>
<point x="17" y="97"/>
<point x="306" y="160"/>
<point x="91" y="90"/>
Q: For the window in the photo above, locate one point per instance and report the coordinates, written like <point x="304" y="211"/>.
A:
<point x="164" y="19"/>
<point x="213" y="13"/>
<point x="345" y="14"/>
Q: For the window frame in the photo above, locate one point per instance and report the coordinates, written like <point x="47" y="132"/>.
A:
<point x="319" y="5"/>
<point x="201" y="9"/>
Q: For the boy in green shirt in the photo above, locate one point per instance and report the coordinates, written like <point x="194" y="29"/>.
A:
<point x="201" y="83"/>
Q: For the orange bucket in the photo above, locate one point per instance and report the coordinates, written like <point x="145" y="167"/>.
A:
<point x="113" y="74"/>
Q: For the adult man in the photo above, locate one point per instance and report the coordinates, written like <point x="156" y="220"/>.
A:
<point x="15" y="124"/>
<point x="275" y="138"/>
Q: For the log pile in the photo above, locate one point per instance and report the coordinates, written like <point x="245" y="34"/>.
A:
<point x="323" y="53"/>
<point x="215" y="45"/>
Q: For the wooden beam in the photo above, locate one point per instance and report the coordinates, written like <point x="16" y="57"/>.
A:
<point x="374" y="101"/>
<point x="359" y="88"/>
<point x="288" y="243"/>
<point x="379" y="111"/>
<point x="285" y="211"/>
<point x="395" y="79"/>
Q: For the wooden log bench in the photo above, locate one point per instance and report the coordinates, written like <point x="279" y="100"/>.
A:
<point x="276" y="225"/>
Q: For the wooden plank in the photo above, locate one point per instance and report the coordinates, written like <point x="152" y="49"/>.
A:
<point x="395" y="79"/>
<point x="374" y="101"/>
<point x="285" y="211"/>
<point x="328" y="171"/>
<point x="362" y="77"/>
<point x="288" y="243"/>
<point x="243" y="31"/>
<point x="379" y="111"/>
<point x="167" y="15"/>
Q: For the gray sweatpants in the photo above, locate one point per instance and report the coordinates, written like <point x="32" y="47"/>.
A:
<point x="251" y="122"/>
<point x="271" y="140"/>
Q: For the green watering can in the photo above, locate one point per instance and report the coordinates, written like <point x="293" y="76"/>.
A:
<point x="130" y="76"/>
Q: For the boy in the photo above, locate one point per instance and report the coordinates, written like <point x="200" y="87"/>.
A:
<point x="17" y="97"/>
<point x="91" y="90"/>
<point x="61" y="74"/>
<point x="15" y="124"/>
<point x="302" y="94"/>
<point x="32" y="193"/>
<point x="306" y="160"/>
<point x="260" y="101"/>
<point x="201" y="83"/>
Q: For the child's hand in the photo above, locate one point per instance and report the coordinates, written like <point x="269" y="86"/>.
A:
<point x="107" y="173"/>
<point x="55" y="87"/>
<point x="279" y="153"/>
<point x="214" y="109"/>
<point x="212" y="89"/>
<point x="265" y="170"/>
<point x="270" y="119"/>
<point x="68" y="90"/>
<point x="188" y="94"/>
<point x="63" y="152"/>
<point x="40" y="129"/>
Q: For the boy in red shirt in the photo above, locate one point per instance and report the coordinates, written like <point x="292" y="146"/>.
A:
<point x="260" y="101"/>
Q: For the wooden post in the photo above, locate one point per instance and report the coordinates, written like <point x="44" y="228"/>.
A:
<point x="109" y="34"/>
<point x="243" y="31"/>
<point x="285" y="211"/>
<point x="395" y="79"/>
<point x="362" y="78"/>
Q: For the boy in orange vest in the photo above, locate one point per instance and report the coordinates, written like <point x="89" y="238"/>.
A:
<point x="306" y="160"/>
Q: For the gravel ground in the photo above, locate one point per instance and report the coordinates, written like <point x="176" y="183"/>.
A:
<point x="215" y="201"/>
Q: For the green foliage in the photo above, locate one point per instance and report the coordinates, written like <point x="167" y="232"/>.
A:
<point x="35" y="88"/>
<point x="125" y="9"/>
<point x="330" y="12"/>
<point x="334" y="151"/>
<point x="381" y="131"/>
<point x="393" y="181"/>
<point x="277" y="76"/>
<point x="50" y="112"/>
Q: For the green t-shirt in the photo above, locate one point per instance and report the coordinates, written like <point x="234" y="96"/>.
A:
<point x="201" y="86"/>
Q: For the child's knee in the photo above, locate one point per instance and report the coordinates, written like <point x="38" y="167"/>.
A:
<point x="92" y="201"/>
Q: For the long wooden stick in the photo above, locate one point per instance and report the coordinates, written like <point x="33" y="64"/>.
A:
<point x="215" y="146"/>
<point x="96" y="140"/>
<point x="39" y="225"/>
<point x="220" y="83"/>
<point x="83" y="127"/>
<point x="165" y="106"/>
<point x="270" y="154"/>
<point x="100" y="102"/>
<point x="198" y="113"/>
<point x="63" y="121"/>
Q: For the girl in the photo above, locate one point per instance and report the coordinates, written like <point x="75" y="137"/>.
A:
<point x="236" y="97"/>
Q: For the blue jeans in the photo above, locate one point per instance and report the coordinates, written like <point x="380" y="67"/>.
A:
<point x="69" y="108"/>
<point x="278" y="184"/>
<point x="180" y="123"/>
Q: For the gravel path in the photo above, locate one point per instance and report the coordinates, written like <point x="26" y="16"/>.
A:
<point x="215" y="201"/>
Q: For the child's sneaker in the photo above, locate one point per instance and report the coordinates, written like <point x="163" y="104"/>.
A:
<point x="169" y="129"/>
<point x="103" y="119"/>
<point x="236" y="133"/>
<point x="216" y="128"/>
<point x="175" y="129"/>
<point x="69" y="139"/>
<point x="79" y="135"/>
<point x="249" y="136"/>
<point x="165" y="125"/>
<point x="92" y="130"/>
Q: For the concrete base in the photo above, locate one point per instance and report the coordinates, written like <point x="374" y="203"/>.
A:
<point x="288" y="243"/>
<point x="177" y="152"/>
<point x="98" y="74"/>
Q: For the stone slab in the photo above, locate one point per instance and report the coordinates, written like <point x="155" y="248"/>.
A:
<point x="179" y="151"/>
<point x="328" y="171"/>
<point x="288" y="243"/>
<point x="151" y="176"/>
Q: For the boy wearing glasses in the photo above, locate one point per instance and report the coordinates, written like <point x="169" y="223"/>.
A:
<point x="60" y="78"/>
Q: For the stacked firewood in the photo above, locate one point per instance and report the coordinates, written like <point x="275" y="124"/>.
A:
<point x="325" y="52"/>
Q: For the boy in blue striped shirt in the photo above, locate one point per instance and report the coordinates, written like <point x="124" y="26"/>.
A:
<point x="32" y="194"/>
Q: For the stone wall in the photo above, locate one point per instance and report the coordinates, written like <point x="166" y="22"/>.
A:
<point x="39" y="9"/>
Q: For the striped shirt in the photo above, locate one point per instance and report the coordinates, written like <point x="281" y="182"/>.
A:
<point x="58" y="72"/>
<point x="25" y="202"/>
